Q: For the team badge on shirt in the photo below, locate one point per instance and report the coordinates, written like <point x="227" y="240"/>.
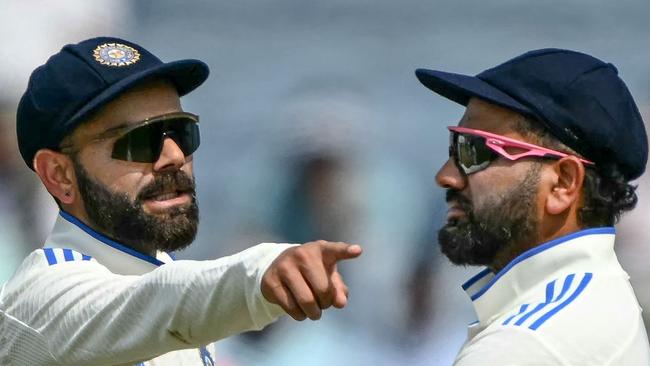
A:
<point x="116" y="54"/>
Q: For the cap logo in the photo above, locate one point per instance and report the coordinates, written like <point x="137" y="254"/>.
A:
<point x="116" y="54"/>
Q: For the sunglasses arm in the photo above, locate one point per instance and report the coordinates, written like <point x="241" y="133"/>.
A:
<point x="499" y="146"/>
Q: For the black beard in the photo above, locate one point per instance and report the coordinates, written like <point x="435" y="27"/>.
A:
<point x="502" y="224"/>
<point x="124" y="221"/>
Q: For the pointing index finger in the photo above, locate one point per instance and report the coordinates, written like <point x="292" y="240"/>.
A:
<point x="334" y="252"/>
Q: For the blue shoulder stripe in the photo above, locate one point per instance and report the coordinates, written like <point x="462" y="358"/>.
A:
<point x="67" y="254"/>
<point x="60" y="255"/>
<point x="549" y="299"/>
<point x="49" y="254"/>
<point x="521" y="311"/>
<point x="585" y="281"/>
<point x="550" y="288"/>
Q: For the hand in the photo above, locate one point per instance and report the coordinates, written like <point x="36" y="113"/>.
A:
<point x="304" y="281"/>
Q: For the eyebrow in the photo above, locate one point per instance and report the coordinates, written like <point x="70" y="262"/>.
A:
<point x="124" y="126"/>
<point x="127" y="125"/>
<point x="117" y="128"/>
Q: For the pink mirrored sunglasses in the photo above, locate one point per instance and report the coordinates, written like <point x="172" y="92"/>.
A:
<point x="473" y="150"/>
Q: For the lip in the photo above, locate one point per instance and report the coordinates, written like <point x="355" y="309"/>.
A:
<point x="154" y="206"/>
<point x="455" y="212"/>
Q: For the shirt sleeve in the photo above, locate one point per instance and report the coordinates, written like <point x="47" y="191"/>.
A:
<point x="511" y="346"/>
<point x="80" y="313"/>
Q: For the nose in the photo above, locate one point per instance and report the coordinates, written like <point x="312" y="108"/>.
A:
<point x="171" y="156"/>
<point x="450" y="177"/>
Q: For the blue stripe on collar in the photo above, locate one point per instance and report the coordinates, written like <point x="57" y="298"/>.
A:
<point x="538" y="249"/>
<point x="121" y="247"/>
<point x="476" y="278"/>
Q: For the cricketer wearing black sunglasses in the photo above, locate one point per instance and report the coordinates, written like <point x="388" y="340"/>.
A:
<point x="102" y="126"/>
<point x="537" y="175"/>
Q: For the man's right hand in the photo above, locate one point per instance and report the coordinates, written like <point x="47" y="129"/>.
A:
<point x="304" y="280"/>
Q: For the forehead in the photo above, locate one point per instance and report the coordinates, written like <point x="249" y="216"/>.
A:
<point x="482" y="115"/>
<point x="145" y="101"/>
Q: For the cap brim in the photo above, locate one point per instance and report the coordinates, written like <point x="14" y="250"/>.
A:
<point x="186" y="75"/>
<point x="460" y="88"/>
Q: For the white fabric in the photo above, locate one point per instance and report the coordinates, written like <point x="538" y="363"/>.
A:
<point x="80" y="301"/>
<point x="566" y="302"/>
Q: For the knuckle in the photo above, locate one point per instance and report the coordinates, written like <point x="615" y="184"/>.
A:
<point x="326" y="303"/>
<point x="322" y="289"/>
<point x="283" y="269"/>
<point x="302" y="253"/>
<point x="306" y="300"/>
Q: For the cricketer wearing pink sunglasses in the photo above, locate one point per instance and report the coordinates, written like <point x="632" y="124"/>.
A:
<point x="474" y="150"/>
<point x="538" y="187"/>
<point x="538" y="173"/>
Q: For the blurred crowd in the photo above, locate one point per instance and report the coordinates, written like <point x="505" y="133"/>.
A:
<point x="314" y="127"/>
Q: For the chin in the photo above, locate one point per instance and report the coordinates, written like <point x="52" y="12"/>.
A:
<point x="462" y="245"/>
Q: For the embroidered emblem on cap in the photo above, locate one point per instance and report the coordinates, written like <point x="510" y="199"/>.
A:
<point x="116" y="54"/>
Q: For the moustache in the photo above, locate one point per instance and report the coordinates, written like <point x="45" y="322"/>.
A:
<point x="168" y="182"/>
<point x="454" y="195"/>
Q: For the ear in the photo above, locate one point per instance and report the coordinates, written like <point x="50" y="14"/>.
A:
<point x="57" y="174"/>
<point x="569" y="174"/>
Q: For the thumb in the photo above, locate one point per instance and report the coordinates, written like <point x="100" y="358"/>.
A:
<point x="340" y="291"/>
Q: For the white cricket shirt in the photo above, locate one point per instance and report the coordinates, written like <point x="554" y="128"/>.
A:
<point x="565" y="302"/>
<point x="86" y="300"/>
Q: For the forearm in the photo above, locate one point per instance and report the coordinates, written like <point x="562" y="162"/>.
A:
<point x="95" y="317"/>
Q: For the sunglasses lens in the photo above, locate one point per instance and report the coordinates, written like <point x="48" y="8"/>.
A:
<point x="471" y="153"/>
<point x="144" y="144"/>
<point x="187" y="137"/>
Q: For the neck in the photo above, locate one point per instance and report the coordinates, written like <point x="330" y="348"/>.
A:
<point x="550" y="228"/>
<point x="80" y="214"/>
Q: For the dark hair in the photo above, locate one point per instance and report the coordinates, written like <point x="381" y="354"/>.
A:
<point x="606" y="196"/>
<point x="606" y="193"/>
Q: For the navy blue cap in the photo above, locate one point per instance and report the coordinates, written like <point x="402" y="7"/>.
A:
<point x="580" y="99"/>
<point x="81" y="79"/>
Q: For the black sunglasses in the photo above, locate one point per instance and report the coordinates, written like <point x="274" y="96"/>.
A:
<point x="143" y="142"/>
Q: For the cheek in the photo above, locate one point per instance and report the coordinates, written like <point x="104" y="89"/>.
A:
<point x="116" y="175"/>
<point x="489" y="185"/>
<point x="481" y="188"/>
<point x="129" y="182"/>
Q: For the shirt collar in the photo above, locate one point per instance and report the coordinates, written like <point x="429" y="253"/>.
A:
<point x="581" y="251"/>
<point x="69" y="232"/>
